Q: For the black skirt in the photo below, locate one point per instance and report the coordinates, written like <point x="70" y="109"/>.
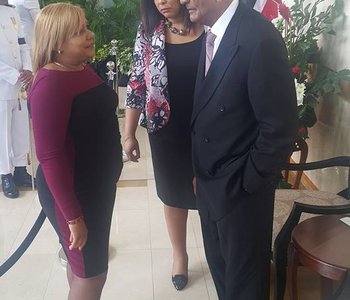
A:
<point x="172" y="166"/>
<point x="171" y="145"/>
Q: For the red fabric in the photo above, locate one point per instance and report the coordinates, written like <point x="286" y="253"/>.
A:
<point x="270" y="10"/>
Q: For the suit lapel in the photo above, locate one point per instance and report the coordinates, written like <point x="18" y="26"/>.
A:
<point x="205" y="86"/>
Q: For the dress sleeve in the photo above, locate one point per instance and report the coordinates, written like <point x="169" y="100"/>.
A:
<point x="50" y="106"/>
<point x="136" y="89"/>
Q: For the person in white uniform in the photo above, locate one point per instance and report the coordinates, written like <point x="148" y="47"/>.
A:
<point x="15" y="75"/>
<point x="27" y="11"/>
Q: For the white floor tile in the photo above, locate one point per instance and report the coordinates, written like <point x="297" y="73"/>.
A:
<point x="57" y="288"/>
<point x="154" y="201"/>
<point x="133" y="230"/>
<point x="44" y="243"/>
<point x="130" y="276"/>
<point x="10" y="226"/>
<point x="28" y="279"/>
<point x="134" y="171"/>
<point x="196" y="225"/>
<point x="21" y="205"/>
<point x="132" y="198"/>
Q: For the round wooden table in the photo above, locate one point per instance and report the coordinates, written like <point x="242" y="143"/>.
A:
<point x="322" y="244"/>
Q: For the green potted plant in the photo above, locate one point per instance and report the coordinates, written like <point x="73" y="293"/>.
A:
<point x="301" y="30"/>
<point x="301" y="26"/>
<point x="124" y="63"/>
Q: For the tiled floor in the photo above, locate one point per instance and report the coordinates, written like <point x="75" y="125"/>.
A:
<point x="140" y="251"/>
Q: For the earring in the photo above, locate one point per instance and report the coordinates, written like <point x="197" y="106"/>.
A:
<point x="59" y="51"/>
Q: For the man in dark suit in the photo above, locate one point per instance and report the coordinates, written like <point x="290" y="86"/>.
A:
<point x="244" y="122"/>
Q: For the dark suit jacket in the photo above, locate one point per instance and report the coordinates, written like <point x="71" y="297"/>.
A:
<point x="244" y="118"/>
<point x="249" y="3"/>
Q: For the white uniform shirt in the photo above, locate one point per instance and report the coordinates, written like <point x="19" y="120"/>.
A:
<point x="14" y="53"/>
<point x="27" y="11"/>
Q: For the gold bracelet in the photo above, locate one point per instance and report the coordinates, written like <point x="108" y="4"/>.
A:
<point x="75" y="221"/>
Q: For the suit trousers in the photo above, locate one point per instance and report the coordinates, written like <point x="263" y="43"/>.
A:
<point x="238" y="247"/>
<point x="14" y="135"/>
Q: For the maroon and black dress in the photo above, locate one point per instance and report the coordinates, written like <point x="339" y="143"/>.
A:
<point x="78" y="146"/>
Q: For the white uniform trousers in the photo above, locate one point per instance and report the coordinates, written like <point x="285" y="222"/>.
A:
<point x="14" y="135"/>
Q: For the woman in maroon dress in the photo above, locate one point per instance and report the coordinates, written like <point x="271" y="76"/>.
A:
<point x="77" y="144"/>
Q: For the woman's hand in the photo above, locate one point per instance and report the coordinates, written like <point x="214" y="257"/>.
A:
<point x="131" y="148"/>
<point x="78" y="234"/>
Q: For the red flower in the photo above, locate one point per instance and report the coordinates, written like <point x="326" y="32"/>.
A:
<point x="303" y="132"/>
<point x="285" y="12"/>
<point x="296" y="70"/>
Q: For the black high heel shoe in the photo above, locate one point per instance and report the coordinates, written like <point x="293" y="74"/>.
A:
<point x="179" y="281"/>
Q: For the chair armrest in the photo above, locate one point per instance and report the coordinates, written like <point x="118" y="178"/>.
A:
<point x="339" y="161"/>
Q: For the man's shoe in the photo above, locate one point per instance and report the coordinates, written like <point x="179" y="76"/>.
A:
<point x="8" y="186"/>
<point x="22" y="178"/>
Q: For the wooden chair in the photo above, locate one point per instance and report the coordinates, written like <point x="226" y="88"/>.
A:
<point x="319" y="243"/>
<point x="299" y="146"/>
<point x="292" y="206"/>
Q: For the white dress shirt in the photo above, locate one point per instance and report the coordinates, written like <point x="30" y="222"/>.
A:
<point x="221" y="24"/>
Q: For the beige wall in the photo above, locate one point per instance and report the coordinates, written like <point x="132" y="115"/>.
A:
<point x="331" y="135"/>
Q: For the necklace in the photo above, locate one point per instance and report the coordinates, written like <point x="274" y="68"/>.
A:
<point x="78" y="68"/>
<point x="174" y="29"/>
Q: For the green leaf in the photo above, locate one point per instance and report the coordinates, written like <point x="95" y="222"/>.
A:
<point x="282" y="184"/>
<point x="308" y="119"/>
<point x="331" y="32"/>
